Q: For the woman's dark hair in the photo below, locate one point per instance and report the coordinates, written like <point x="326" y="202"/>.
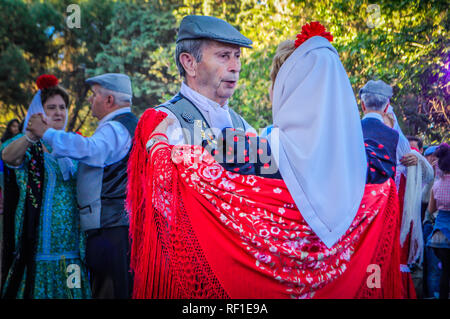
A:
<point x="443" y="155"/>
<point x="52" y="91"/>
<point x="8" y="134"/>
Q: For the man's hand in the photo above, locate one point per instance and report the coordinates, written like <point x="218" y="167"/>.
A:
<point x="37" y="125"/>
<point x="409" y="160"/>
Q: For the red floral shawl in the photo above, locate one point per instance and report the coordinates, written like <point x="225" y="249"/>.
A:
<point x="199" y="231"/>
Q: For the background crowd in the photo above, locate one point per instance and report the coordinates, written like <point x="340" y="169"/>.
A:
<point x="43" y="200"/>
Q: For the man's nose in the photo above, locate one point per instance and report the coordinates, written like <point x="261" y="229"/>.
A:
<point x="235" y="65"/>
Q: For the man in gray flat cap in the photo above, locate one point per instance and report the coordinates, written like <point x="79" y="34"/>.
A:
<point x="375" y="103"/>
<point x="101" y="181"/>
<point x="207" y="55"/>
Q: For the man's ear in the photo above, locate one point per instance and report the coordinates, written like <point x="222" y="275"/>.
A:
<point x="386" y="108"/>
<point x="363" y="106"/>
<point x="189" y="64"/>
<point x="109" y="101"/>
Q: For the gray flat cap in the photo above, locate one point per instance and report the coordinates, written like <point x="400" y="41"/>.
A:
<point x="116" y="82"/>
<point x="377" y="87"/>
<point x="198" y="27"/>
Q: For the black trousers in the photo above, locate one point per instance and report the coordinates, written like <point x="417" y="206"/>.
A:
<point x="108" y="262"/>
<point x="444" y="256"/>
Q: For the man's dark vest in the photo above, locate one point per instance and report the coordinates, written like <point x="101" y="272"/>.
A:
<point x="195" y="127"/>
<point x="378" y="131"/>
<point x="101" y="192"/>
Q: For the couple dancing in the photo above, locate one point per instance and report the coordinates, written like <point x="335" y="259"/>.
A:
<point x="203" y="226"/>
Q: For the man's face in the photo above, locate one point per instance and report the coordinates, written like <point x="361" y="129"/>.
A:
<point x="217" y="74"/>
<point x="98" y="102"/>
<point x="414" y="144"/>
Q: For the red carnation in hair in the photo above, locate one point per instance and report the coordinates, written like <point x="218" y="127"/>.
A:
<point x="46" y="81"/>
<point x="310" y="30"/>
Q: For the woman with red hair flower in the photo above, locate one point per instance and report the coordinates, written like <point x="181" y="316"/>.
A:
<point x="47" y="247"/>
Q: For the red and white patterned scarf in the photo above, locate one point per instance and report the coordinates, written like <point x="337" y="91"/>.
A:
<point x="199" y="231"/>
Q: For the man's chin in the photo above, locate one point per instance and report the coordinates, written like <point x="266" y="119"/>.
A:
<point x="227" y="93"/>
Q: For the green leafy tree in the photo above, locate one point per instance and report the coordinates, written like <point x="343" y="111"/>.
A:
<point x="26" y="49"/>
<point x="41" y="42"/>
<point x="404" y="43"/>
<point x="78" y="48"/>
<point x="141" y="45"/>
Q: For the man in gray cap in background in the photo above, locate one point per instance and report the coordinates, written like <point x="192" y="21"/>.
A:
<point x="207" y="55"/>
<point x="101" y="181"/>
<point x="375" y="103"/>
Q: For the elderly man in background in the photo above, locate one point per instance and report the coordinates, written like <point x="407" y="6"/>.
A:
<point x="101" y="181"/>
<point x="374" y="103"/>
<point x="416" y="143"/>
<point x="410" y="179"/>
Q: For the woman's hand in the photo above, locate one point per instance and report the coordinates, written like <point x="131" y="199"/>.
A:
<point x="159" y="135"/>
<point x="162" y="127"/>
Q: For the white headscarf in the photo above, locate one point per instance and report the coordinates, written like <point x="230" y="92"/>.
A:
<point x="322" y="157"/>
<point x="65" y="164"/>
<point x="403" y="146"/>
<point x="417" y="177"/>
<point x="411" y="215"/>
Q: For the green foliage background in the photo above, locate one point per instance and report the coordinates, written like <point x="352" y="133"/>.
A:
<point x="404" y="43"/>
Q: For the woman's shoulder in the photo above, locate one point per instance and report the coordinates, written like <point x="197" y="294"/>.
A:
<point x="442" y="182"/>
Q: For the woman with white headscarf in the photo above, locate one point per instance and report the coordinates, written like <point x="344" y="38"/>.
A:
<point x="322" y="155"/>
<point x="48" y="244"/>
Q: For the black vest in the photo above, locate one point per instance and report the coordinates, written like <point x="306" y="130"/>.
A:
<point x="114" y="183"/>
<point x="101" y="192"/>
<point x="195" y="127"/>
<point x="378" y="131"/>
